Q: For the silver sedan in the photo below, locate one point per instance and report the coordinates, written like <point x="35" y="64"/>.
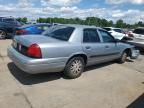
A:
<point x="68" y="49"/>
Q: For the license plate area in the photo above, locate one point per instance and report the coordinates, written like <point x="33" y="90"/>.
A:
<point x="19" y="47"/>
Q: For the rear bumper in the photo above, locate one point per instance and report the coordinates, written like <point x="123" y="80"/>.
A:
<point x="34" y="66"/>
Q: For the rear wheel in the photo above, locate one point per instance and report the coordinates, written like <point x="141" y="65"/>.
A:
<point x="2" y="34"/>
<point x="74" y="67"/>
<point x="123" y="57"/>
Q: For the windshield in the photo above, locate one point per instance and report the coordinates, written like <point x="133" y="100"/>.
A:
<point x="59" y="32"/>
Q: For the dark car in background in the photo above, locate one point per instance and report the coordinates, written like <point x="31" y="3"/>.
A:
<point x="32" y="29"/>
<point x="138" y="38"/>
<point x="8" y="27"/>
<point x="138" y="33"/>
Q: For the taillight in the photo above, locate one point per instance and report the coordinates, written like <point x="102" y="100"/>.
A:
<point x="34" y="51"/>
<point x="18" y="32"/>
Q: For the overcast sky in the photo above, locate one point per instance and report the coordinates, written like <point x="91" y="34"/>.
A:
<point x="130" y="11"/>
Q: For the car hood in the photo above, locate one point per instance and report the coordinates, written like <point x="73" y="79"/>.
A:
<point x="118" y="35"/>
<point x="32" y="39"/>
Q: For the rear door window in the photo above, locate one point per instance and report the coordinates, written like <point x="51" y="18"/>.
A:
<point x="90" y="36"/>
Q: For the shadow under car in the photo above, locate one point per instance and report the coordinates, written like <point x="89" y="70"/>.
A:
<point x="30" y="79"/>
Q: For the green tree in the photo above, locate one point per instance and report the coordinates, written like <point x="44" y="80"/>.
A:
<point x="24" y="19"/>
<point x="119" y="23"/>
<point x="88" y="21"/>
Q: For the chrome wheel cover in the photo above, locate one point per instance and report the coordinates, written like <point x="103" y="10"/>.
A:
<point x="76" y="67"/>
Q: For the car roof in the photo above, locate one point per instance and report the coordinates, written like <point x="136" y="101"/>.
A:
<point x="112" y="27"/>
<point x="80" y="26"/>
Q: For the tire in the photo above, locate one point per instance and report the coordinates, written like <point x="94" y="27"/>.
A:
<point x="74" y="68"/>
<point x="2" y="34"/>
<point x="123" y="57"/>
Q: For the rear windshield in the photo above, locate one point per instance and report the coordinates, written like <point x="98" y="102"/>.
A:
<point x="139" y="31"/>
<point x="59" y="32"/>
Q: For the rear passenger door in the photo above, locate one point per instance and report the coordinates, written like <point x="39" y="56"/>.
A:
<point x="92" y="46"/>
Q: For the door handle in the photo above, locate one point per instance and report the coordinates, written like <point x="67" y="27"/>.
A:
<point x="88" y="47"/>
<point x="107" y="46"/>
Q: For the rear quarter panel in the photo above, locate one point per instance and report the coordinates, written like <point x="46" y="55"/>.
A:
<point x="61" y="50"/>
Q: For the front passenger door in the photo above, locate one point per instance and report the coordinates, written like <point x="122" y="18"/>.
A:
<point x="109" y="46"/>
<point x="92" y="46"/>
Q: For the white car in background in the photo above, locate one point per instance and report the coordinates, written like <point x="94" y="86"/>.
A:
<point x="118" y="33"/>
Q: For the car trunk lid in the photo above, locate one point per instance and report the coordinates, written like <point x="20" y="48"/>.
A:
<point x="22" y="43"/>
<point x="27" y="40"/>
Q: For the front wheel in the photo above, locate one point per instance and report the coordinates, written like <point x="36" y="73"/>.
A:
<point x="123" y="57"/>
<point x="2" y="34"/>
<point x="74" y="67"/>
